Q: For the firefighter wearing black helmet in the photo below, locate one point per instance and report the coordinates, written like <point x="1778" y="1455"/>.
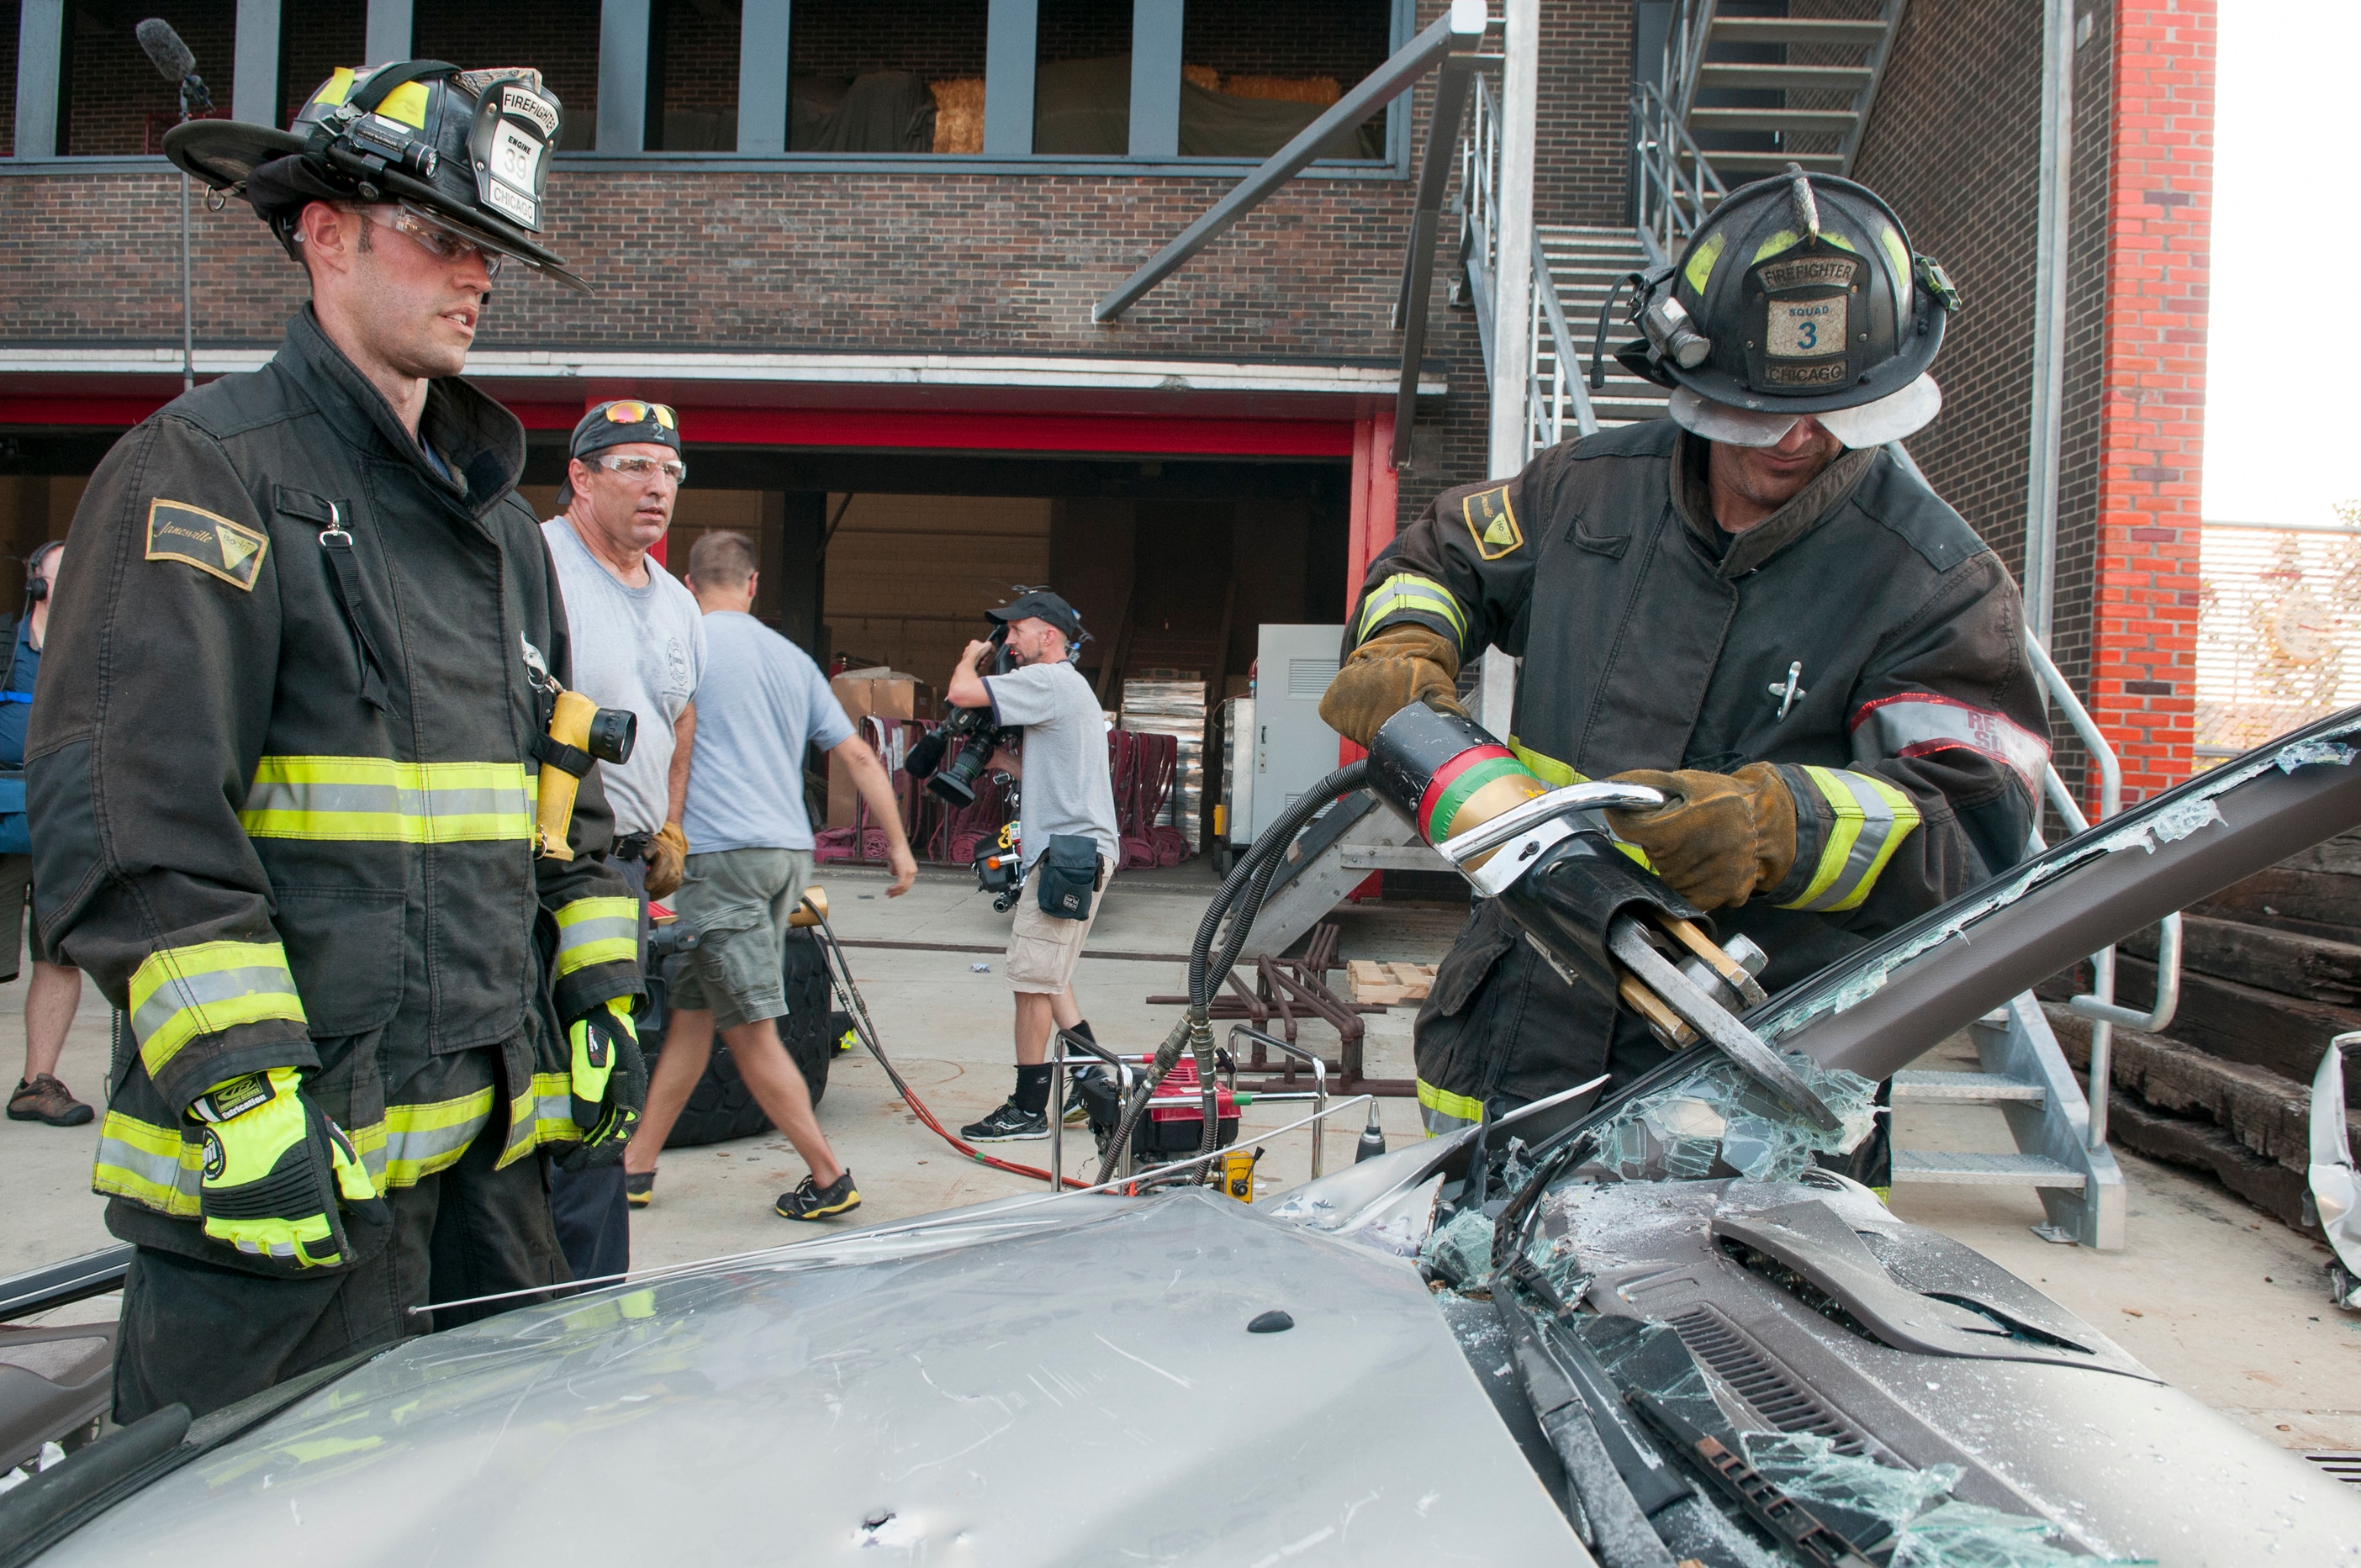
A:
<point x="285" y="794"/>
<point x="1756" y="605"/>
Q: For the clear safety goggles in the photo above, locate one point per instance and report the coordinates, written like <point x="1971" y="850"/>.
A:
<point x="1889" y="418"/>
<point x="672" y="468"/>
<point x="437" y="238"/>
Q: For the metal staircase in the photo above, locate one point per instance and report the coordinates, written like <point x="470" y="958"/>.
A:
<point x="1756" y="93"/>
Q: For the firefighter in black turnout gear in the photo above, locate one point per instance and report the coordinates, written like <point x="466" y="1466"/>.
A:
<point x="1755" y="606"/>
<point x="283" y="788"/>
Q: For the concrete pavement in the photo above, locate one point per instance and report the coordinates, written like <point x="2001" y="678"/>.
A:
<point x="2227" y="1304"/>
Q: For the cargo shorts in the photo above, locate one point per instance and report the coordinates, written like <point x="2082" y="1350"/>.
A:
<point x="1043" y="949"/>
<point x="737" y="902"/>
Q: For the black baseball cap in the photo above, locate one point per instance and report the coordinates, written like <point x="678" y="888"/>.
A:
<point x="618" y="422"/>
<point x="1040" y="604"/>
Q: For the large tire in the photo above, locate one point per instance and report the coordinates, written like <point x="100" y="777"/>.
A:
<point x="721" y="1107"/>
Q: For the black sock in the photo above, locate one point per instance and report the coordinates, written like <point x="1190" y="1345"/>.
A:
<point x="1083" y="1029"/>
<point x="1032" y="1095"/>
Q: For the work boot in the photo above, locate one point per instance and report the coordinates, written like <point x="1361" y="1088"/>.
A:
<point x="810" y="1200"/>
<point x="44" y="1099"/>
<point x="1007" y="1125"/>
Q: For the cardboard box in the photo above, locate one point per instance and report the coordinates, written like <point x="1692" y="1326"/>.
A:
<point x="874" y="693"/>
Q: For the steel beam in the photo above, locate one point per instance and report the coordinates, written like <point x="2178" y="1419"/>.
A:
<point x="387" y="31"/>
<point x="254" y="71"/>
<point x="1155" y="78"/>
<point x="1459" y="29"/>
<point x="763" y="77"/>
<point x="1451" y="82"/>
<point x="40" y="61"/>
<point x="1011" y="51"/>
<point x="623" y="75"/>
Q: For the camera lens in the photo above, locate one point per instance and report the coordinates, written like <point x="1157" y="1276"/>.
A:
<point x="612" y="732"/>
<point x="956" y="784"/>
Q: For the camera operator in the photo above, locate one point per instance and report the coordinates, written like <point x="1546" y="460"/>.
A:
<point x="1069" y="845"/>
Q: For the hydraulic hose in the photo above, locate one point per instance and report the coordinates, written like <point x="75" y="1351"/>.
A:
<point x="1240" y="898"/>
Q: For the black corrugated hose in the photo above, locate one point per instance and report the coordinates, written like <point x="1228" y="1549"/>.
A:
<point x="1240" y="898"/>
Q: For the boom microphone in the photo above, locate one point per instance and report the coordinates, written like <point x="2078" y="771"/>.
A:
<point x="164" y="47"/>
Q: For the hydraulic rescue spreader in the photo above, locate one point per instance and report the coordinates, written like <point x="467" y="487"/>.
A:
<point x="1595" y="912"/>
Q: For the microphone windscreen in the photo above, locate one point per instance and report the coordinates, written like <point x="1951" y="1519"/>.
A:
<point x="164" y="47"/>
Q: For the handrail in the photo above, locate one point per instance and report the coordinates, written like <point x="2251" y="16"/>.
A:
<point x="1672" y="203"/>
<point x="1549" y="396"/>
<point x="2099" y="1004"/>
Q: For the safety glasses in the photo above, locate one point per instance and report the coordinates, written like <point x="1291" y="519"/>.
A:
<point x="438" y="240"/>
<point x="631" y="411"/>
<point x="642" y="467"/>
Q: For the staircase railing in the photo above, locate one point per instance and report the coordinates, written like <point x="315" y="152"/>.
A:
<point x="1683" y="52"/>
<point x="1553" y="396"/>
<point x="1672" y="201"/>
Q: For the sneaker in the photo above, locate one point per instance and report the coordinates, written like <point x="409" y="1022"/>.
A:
<point x="44" y="1099"/>
<point x="1007" y="1125"/>
<point x="639" y="1188"/>
<point x="810" y="1200"/>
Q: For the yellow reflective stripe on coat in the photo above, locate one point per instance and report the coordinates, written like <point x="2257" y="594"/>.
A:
<point x="1402" y="591"/>
<point x="1872" y="818"/>
<point x="543" y="1114"/>
<point x="153" y="1166"/>
<point x="1557" y="775"/>
<point x="597" y="931"/>
<point x="413" y="1142"/>
<point x="179" y="993"/>
<point x="377" y="799"/>
<point x="1444" y="1112"/>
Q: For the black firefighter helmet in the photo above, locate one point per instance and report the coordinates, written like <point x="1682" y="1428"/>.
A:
<point x="464" y="150"/>
<point x="1799" y="295"/>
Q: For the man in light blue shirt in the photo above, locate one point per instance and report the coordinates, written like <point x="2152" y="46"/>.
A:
<point x="761" y="700"/>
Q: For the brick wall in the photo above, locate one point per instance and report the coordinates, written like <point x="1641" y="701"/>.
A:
<point x="698" y="57"/>
<point x="9" y="16"/>
<point x="561" y="42"/>
<point x="1954" y="146"/>
<point x="111" y="88"/>
<point x="937" y="38"/>
<point x="2161" y="209"/>
<point x="316" y="37"/>
<point x="1581" y="173"/>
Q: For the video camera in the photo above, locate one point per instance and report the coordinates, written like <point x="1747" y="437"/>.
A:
<point x="977" y="735"/>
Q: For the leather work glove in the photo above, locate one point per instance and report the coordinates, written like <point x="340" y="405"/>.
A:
<point x="276" y="1170"/>
<point x="610" y="1083"/>
<point x="1400" y="665"/>
<point x="1719" y="838"/>
<point x="668" y="857"/>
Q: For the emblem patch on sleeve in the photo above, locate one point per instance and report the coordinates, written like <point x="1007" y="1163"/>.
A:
<point x="1492" y="522"/>
<point x="215" y="545"/>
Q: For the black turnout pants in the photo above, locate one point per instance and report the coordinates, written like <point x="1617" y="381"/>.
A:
<point x="207" y="1335"/>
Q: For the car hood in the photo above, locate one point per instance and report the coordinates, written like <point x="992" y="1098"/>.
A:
<point x="1069" y="1383"/>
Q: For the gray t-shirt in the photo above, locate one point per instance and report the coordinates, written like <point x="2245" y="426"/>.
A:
<point x="638" y="648"/>
<point x="761" y="700"/>
<point x="1066" y="786"/>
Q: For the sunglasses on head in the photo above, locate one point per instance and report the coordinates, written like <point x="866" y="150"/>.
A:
<point x="631" y="411"/>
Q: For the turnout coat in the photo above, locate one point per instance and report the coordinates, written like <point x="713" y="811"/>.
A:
<point x="1863" y="638"/>
<point x="281" y="781"/>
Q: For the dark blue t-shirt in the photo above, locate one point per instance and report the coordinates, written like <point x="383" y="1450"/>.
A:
<point x="16" y="710"/>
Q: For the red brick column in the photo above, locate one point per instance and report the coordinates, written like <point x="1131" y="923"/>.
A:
<point x="2143" y="656"/>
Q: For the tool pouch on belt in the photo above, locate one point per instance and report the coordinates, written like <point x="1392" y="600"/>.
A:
<point x="1065" y="876"/>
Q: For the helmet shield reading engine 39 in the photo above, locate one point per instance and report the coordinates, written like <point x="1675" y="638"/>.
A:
<point x="508" y="146"/>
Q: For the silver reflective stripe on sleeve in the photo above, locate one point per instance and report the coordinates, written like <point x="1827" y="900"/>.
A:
<point x="1916" y="723"/>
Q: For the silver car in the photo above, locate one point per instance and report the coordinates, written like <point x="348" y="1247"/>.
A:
<point x="1647" y="1332"/>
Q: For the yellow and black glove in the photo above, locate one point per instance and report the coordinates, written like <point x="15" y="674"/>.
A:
<point x="276" y="1172"/>
<point x="1719" y="838"/>
<point x="1400" y="665"/>
<point x="610" y="1083"/>
<point x="668" y="861"/>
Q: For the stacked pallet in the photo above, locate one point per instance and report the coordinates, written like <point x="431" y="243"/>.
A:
<point x="2270" y="971"/>
<point x="1172" y="702"/>
<point x="1388" y="984"/>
